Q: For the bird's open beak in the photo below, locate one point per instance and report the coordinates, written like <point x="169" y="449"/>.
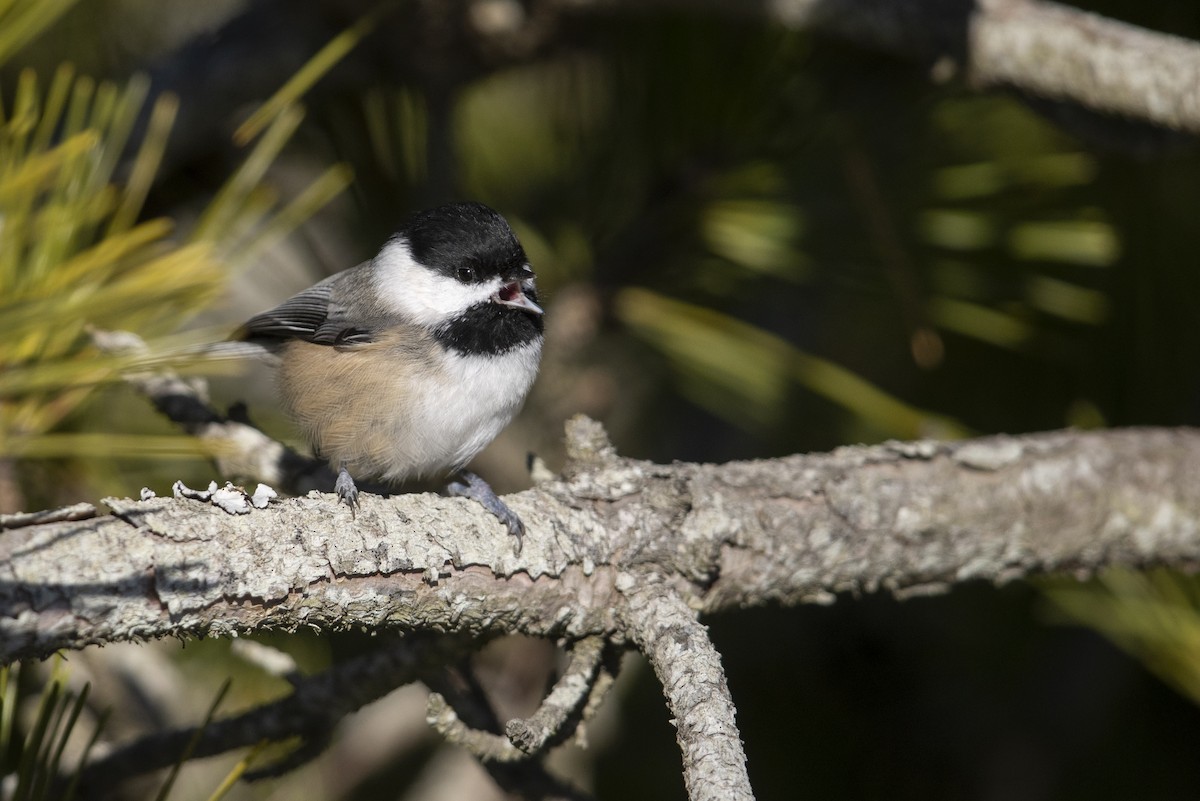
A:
<point x="512" y="295"/>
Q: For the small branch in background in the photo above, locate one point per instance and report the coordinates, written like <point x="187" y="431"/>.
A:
<point x="1044" y="49"/>
<point x="580" y="688"/>
<point x="576" y="695"/>
<point x="1062" y="53"/>
<point x="76" y="511"/>
<point x="461" y="711"/>
<point x="239" y="448"/>
<point x="484" y="745"/>
<point x="311" y="712"/>
<point x="1037" y="48"/>
<point x="271" y="661"/>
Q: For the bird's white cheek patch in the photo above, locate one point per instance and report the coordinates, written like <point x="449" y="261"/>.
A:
<point x="419" y="294"/>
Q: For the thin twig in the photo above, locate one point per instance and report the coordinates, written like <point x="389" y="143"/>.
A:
<point x="476" y="728"/>
<point x="578" y="691"/>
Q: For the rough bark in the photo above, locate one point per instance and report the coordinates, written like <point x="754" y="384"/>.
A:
<point x="905" y="517"/>
<point x="617" y="549"/>
<point x="689" y="668"/>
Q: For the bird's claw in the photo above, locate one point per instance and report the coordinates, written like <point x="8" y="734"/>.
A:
<point x="347" y="490"/>
<point x="469" y="485"/>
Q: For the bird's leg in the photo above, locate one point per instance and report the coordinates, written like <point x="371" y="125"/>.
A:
<point x="469" y="485"/>
<point x="346" y="489"/>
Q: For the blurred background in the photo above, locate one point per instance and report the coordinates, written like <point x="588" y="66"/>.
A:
<point x="751" y="242"/>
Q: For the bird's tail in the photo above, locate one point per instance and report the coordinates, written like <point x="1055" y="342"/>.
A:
<point x="143" y="356"/>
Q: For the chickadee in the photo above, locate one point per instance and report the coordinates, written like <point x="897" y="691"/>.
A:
<point x="408" y="365"/>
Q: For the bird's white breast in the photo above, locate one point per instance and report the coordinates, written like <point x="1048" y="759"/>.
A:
<point x="459" y="411"/>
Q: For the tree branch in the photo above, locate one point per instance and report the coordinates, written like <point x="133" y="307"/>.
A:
<point x="555" y="720"/>
<point x="1058" y="52"/>
<point x="689" y="668"/>
<point x="618" y="550"/>
<point x="910" y="518"/>
<point x="1044" y="49"/>
<point x="460" y="710"/>
<point x="1041" y="49"/>
<point x="575" y="695"/>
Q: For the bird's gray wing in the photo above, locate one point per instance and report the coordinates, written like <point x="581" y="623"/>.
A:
<point x="315" y="315"/>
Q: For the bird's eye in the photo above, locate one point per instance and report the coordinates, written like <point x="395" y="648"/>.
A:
<point x="466" y="273"/>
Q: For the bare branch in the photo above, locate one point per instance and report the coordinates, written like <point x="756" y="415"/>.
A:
<point x="1041" y="48"/>
<point x="619" y="550"/>
<point x="1060" y="52"/>
<point x="910" y="518"/>
<point x="460" y="710"/>
<point x="76" y="511"/>
<point x="484" y="745"/>
<point x="689" y="669"/>
<point x="575" y="695"/>
<point x="240" y="450"/>
<point x="555" y="720"/>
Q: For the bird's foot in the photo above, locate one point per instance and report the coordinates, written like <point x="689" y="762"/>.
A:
<point x="469" y="485"/>
<point x="347" y="490"/>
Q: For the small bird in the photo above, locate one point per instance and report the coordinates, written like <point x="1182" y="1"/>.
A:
<point x="408" y="365"/>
